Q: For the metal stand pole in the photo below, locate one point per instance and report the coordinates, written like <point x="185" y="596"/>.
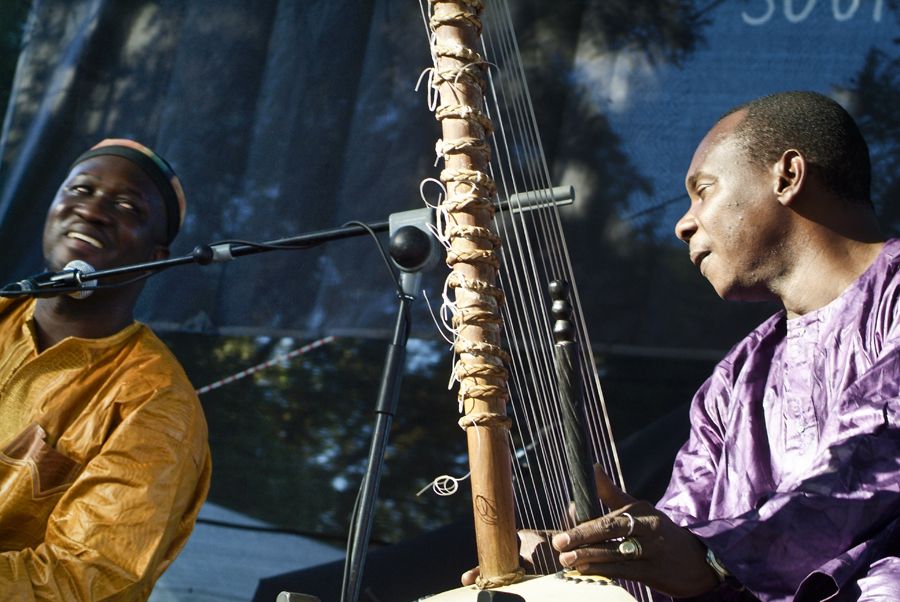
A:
<point x="385" y="410"/>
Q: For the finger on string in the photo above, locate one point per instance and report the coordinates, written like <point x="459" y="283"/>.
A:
<point x="610" y="570"/>
<point x="610" y="495"/>
<point x="604" y="529"/>
<point x="470" y="576"/>
<point x="535" y="552"/>
<point x="594" y="531"/>
<point x="602" y="554"/>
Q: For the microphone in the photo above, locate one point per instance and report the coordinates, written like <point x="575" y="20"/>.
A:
<point x="43" y="285"/>
<point x="80" y="269"/>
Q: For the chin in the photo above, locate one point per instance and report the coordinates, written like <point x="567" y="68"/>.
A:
<point x="55" y="263"/>
<point x="729" y="291"/>
<point x="723" y="291"/>
<point x="58" y="263"/>
<point x="746" y="295"/>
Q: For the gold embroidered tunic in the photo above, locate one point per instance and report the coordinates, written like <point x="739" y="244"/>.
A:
<point x="104" y="462"/>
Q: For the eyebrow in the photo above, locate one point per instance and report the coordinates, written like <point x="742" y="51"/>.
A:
<point x="692" y="179"/>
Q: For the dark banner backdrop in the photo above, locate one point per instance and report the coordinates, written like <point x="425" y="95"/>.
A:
<point x="283" y="117"/>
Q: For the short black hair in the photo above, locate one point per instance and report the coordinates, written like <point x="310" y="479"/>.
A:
<point x="819" y="128"/>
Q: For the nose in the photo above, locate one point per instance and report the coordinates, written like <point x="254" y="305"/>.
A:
<point x="93" y="208"/>
<point x="686" y="227"/>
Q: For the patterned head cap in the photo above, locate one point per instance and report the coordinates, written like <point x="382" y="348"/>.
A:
<point x="154" y="166"/>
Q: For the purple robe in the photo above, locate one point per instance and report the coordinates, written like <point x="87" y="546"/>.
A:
<point x="791" y="474"/>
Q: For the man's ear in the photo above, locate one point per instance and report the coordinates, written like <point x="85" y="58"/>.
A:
<point x="791" y="171"/>
<point x="160" y="252"/>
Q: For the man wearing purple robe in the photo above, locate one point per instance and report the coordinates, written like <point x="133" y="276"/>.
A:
<point x="789" y="486"/>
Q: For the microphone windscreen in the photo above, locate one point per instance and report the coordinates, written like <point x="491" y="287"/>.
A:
<point x="83" y="268"/>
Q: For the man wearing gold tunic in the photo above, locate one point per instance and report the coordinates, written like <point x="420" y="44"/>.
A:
<point x="104" y="461"/>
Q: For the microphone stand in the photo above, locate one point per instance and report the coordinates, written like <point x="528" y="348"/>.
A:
<point x="414" y="250"/>
<point x="388" y="394"/>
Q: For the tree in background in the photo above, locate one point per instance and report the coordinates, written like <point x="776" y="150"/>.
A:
<point x="290" y="443"/>
<point x="875" y="98"/>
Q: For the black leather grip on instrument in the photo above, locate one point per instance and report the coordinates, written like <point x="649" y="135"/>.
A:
<point x="489" y="595"/>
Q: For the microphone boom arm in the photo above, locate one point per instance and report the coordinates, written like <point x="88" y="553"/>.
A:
<point x="227" y="251"/>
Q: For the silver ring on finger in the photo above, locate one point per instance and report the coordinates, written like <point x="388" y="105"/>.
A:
<point x="630" y="524"/>
<point x="630" y="549"/>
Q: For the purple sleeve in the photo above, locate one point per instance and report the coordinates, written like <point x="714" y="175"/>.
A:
<point x="833" y="510"/>
<point x="688" y="496"/>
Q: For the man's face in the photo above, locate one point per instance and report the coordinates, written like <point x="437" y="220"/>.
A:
<point x="108" y="213"/>
<point x="735" y="226"/>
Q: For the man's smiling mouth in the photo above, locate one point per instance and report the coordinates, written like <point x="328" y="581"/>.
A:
<point x="84" y="237"/>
